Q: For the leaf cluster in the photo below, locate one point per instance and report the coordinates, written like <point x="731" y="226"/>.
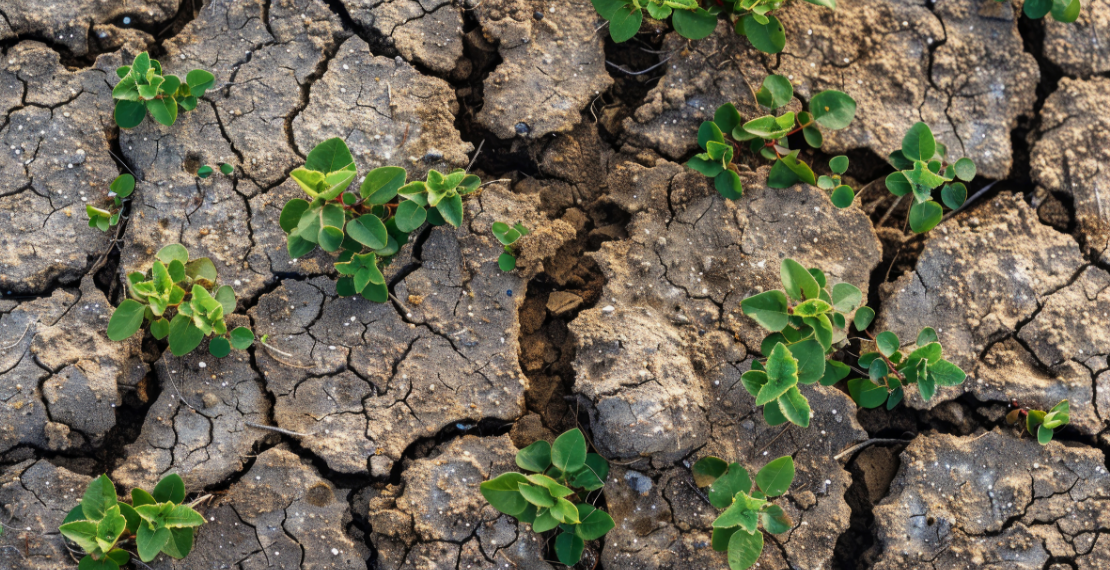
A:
<point x="922" y="167"/>
<point x="176" y="300"/>
<point x="750" y="18"/>
<point x="157" y="521"/>
<point x="808" y="323"/>
<point x="508" y="236"/>
<point x="768" y="136"/>
<point x="367" y="227"/>
<point x="143" y="88"/>
<point x="553" y="494"/>
<point x="1066" y="11"/>
<point x="746" y="508"/>
<point x="118" y="193"/>
<point x="1043" y="424"/>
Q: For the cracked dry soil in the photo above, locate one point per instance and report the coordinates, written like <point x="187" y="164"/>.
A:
<point x="622" y="318"/>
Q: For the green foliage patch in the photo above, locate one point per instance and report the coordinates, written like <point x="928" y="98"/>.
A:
<point x="144" y="89"/>
<point x="1040" y="423"/>
<point x="508" y="235"/>
<point x="923" y="168"/>
<point x="553" y="494"/>
<point x="118" y="194"/>
<point x="157" y="521"/>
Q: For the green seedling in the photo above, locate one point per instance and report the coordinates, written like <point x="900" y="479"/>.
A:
<point x="749" y="18"/>
<point x="553" y="494"/>
<point x="922" y="167"/>
<point x="1040" y="423"/>
<point x="746" y="508"/>
<point x="206" y="171"/>
<point x="841" y="194"/>
<point x="809" y="323"/>
<point x="368" y="227"/>
<point x="143" y="88"/>
<point x="1066" y="11"/>
<point x="768" y="136"/>
<point x="176" y="300"/>
<point x="118" y="193"/>
<point x="157" y="522"/>
<point x="508" y="236"/>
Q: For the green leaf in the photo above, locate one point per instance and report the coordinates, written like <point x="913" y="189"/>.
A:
<point x="199" y="81"/>
<point x="771" y="127"/>
<point x="123" y="185"/>
<point x="834" y="372"/>
<point x="538" y="496"/>
<point x="595" y="522"/>
<point x="227" y="169"/>
<point x="450" y="208"/>
<point x="705" y="165"/>
<point x="772" y="414"/>
<point x="709" y="469"/>
<point x="126" y="319"/>
<point x="369" y="231"/>
<point x="754" y="380"/>
<point x="709" y="131"/>
<point x="535" y="457"/>
<point x="775" y="92"/>
<point x="1066" y="11"/>
<point x="782" y="374"/>
<point x="410" y="216"/>
<point x="744" y="549"/>
<point x="811" y="361"/>
<point x="721" y="536"/>
<point x="830" y="4"/>
<point x="564" y="511"/>
<point x="226" y="296"/>
<point x="163" y="110"/>
<point x="82" y="532"/>
<point x="624" y="23"/>
<point x="769" y="309"/>
<point x="965" y="169"/>
<point x="798" y="281"/>
<point x="866" y="394"/>
<point x="568" y="547"/>
<point x="109" y="528"/>
<point x="724" y="489"/>
<point x="843" y="196"/>
<point x="201" y="268"/>
<point x="888" y="343"/>
<point x="129" y="114"/>
<point x="925" y="216"/>
<point x="219" y="347"/>
<point x="767" y="38"/>
<point x="150" y="542"/>
<point x="919" y="144"/>
<point x="592" y="476"/>
<point x="607" y="8"/>
<point x="544" y="522"/>
<point x="694" y="24"/>
<point x="1044" y="435"/>
<point x="568" y="453"/>
<point x="775" y="477"/>
<point x="795" y="407"/>
<point x="846" y="297"/>
<point x="812" y="308"/>
<point x="382" y="184"/>
<point x="944" y="373"/>
<point x="742" y="512"/>
<point x="503" y="493"/>
<point x="863" y="318"/>
<point x="833" y="110"/>
<point x="180" y="543"/>
<point x="170" y="488"/>
<point x="329" y="156"/>
<point x="926" y="336"/>
<point x="931" y="352"/>
<point x="728" y="185"/>
<point x="506" y="262"/>
<point x="726" y="117"/>
<point x="839" y="164"/>
<point x="954" y="195"/>
<point x="504" y="234"/>
<point x="898" y="184"/>
<point x="130" y="516"/>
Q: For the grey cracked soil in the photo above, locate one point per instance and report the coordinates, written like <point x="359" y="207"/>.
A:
<point x="622" y="317"/>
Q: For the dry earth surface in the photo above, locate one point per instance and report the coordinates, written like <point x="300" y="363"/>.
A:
<point x="623" y="316"/>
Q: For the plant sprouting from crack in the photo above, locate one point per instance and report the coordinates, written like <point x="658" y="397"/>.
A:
<point x="206" y="171"/>
<point x="1040" y="423"/>
<point x="923" y="167"/>
<point x="118" y="194"/>
<point x="746" y="508"/>
<point x="508" y="236"/>
<point x="369" y="227"/>
<point x="554" y="494"/>
<point x="144" y="88"/>
<point x="1066" y="11"/>
<point x="768" y="136"/>
<point x="809" y="323"/>
<point x="749" y="18"/>
<point x="157" y="522"/>
<point x="179" y="299"/>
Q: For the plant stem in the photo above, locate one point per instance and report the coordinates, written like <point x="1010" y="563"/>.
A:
<point x="889" y="364"/>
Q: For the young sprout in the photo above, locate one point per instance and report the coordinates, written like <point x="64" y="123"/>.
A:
<point x="176" y="300"/>
<point x="1066" y="11"/>
<point x="143" y="88"/>
<point x="1043" y="424"/>
<point x="367" y="228"/>
<point x="809" y="323"/>
<point x="553" y="495"/>
<point x="749" y="18"/>
<point x="768" y="136"/>
<point x="746" y="508"/>
<point x="118" y="193"/>
<point x="206" y="171"/>
<point x="922" y="169"/>
<point x="508" y="236"/>
<point x="157" y="521"/>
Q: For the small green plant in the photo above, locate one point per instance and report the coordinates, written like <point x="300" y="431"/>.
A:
<point x="745" y="508"/>
<point x="554" y="494"/>
<point x="369" y="227"/>
<point x="749" y="18"/>
<point x="508" y="236"/>
<point x="808" y="323"/>
<point x="922" y="168"/>
<point x="118" y="193"/>
<point x="1066" y="11"/>
<point x="143" y="88"/>
<point x="206" y="171"/>
<point x="1043" y="424"/>
<point x="176" y="299"/>
<point x="768" y="136"/>
<point x="156" y="521"/>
